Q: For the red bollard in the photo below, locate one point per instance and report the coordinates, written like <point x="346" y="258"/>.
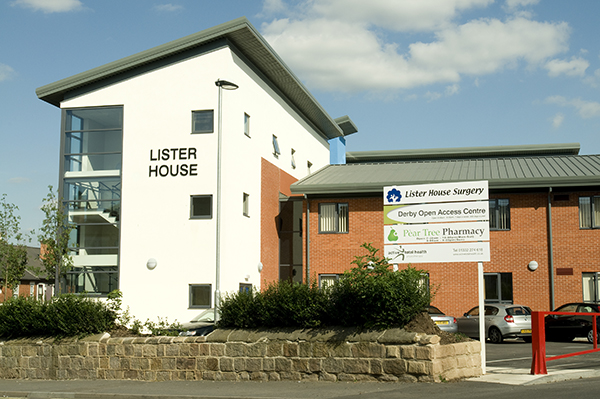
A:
<point x="538" y="344"/>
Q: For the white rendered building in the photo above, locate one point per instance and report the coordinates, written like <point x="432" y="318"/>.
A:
<point x="142" y="139"/>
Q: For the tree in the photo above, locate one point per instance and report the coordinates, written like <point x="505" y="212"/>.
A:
<point x="13" y="252"/>
<point x="54" y="238"/>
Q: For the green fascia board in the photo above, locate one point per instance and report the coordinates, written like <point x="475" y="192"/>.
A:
<point x="241" y="33"/>
<point x="464" y="152"/>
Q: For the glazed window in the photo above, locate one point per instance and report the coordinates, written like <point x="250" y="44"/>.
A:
<point x="328" y="279"/>
<point x="589" y="212"/>
<point x="200" y="295"/>
<point x="293" y="160"/>
<point x="246" y="204"/>
<point x="247" y="124"/>
<point x="333" y="218"/>
<point x="201" y="207"/>
<point x="203" y="121"/>
<point x="276" y="150"/>
<point x="499" y="214"/>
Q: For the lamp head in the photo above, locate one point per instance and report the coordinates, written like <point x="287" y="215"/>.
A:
<point x="224" y="84"/>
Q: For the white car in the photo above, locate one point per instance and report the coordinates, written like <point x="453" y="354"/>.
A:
<point x="445" y="323"/>
<point x="501" y="321"/>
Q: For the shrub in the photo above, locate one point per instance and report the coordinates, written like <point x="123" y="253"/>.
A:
<point x="63" y="316"/>
<point x="281" y="304"/>
<point x="371" y="295"/>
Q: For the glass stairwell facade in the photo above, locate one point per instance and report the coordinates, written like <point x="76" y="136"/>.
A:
<point x="91" y="191"/>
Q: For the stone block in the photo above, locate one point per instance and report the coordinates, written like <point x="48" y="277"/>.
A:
<point x="424" y="352"/>
<point x="256" y="349"/>
<point x="327" y="377"/>
<point x="269" y="364"/>
<point x="342" y="349"/>
<point x="259" y="376"/>
<point x="418" y="367"/>
<point x="186" y="363"/>
<point x="394" y="366"/>
<point x="290" y="349"/>
<point x="282" y="364"/>
<point x="273" y="376"/>
<point x="355" y="366"/>
<point x="332" y="365"/>
<point x="275" y="349"/>
<point x="398" y="336"/>
<point x="169" y="363"/>
<point x="149" y="350"/>
<point x="254" y="364"/>
<point x="315" y="365"/>
<point x="235" y="349"/>
<point x="305" y="349"/>
<point x="204" y="349"/>
<point x="392" y="351"/>
<point x="367" y="349"/>
<point x="429" y="339"/>
<point x="229" y="376"/>
<point x="320" y="349"/>
<point x="408" y="352"/>
<point x="239" y="364"/>
<point x="217" y="349"/>
<point x="375" y="366"/>
<point x="172" y="350"/>
<point x="300" y="365"/>
<point x="290" y="375"/>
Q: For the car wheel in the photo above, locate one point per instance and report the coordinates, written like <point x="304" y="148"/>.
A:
<point x="495" y="335"/>
<point x="590" y="336"/>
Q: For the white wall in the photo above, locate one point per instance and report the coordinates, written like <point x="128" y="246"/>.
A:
<point x="155" y="211"/>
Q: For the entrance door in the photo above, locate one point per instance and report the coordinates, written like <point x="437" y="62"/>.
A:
<point x="591" y="287"/>
<point x="290" y="240"/>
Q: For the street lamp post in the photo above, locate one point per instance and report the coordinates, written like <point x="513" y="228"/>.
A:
<point x="222" y="85"/>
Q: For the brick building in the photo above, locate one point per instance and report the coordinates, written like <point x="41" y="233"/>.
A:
<point x="544" y="207"/>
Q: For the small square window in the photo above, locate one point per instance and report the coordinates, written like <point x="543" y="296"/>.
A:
<point x="200" y="295"/>
<point x="245" y="287"/>
<point x="293" y="160"/>
<point x="333" y="218"/>
<point x="308" y="166"/>
<point x="246" y="204"/>
<point x="203" y="121"/>
<point x="276" y="150"/>
<point x="201" y="207"/>
<point x="247" y="124"/>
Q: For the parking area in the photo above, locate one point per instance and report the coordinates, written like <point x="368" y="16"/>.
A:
<point x="515" y="353"/>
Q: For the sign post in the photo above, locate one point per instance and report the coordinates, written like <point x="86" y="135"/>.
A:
<point x="445" y="222"/>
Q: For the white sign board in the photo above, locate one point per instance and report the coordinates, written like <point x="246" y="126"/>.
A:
<point x="439" y="252"/>
<point x="437" y="232"/>
<point x="441" y="192"/>
<point x="439" y="212"/>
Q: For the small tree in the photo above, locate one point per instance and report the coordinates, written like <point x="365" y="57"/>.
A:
<point x="54" y="238"/>
<point x="13" y="253"/>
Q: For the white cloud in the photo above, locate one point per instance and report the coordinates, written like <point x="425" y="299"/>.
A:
<point x="273" y="7"/>
<point x="575" y="67"/>
<point x="586" y="109"/>
<point x="50" y="6"/>
<point x="558" y="120"/>
<point x="167" y="7"/>
<point x="514" y="4"/>
<point x="406" y="15"/>
<point x="6" y="72"/>
<point x="342" y="56"/>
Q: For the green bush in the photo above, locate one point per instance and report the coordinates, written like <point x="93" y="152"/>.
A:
<point x="369" y="295"/>
<point x="64" y="316"/>
<point x="281" y="304"/>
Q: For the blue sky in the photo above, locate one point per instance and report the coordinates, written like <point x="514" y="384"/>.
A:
<point x="412" y="74"/>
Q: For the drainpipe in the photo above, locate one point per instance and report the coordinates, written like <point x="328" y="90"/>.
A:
<point x="550" y="250"/>
<point x="307" y="240"/>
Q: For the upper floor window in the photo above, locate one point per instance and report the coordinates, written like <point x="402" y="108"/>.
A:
<point x="276" y="150"/>
<point x="247" y="124"/>
<point x="246" y="204"/>
<point x="589" y="212"/>
<point x="203" y="121"/>
<point x="201" y="207"/>
<point x="333" y="218"/>
<point x="200" y="295"/>
<point x="499" y="214"/>
<point x="293" y="159"/>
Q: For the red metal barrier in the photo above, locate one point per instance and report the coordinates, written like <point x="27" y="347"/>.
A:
<point x="538" y="340"/>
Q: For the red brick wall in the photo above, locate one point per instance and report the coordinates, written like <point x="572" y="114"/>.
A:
<point x="511" y="251"/>
<point x="273" y="182"/>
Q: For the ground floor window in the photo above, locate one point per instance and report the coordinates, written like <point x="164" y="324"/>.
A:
<point x="498" y="287"/>
<point x="327" y="279"/>
<point x="201" y="207"/>
<point x="200" y="295"/>
<point x="245" y="287"/>
<point x="94" y="280"/>
<point x="591" y="286"/>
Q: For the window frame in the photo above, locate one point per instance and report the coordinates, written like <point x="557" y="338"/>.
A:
<point x="246" y="124"/>
<point x="192" y="197"/>
<point x="497" y="211"/>
<point x="592" y="223"/>
<point x="246" y="204"/>
<point x="191" y="297"/>
<point x="276" y="148"/>
<point x="212" y="124"/>
<point x="336" y="229"/>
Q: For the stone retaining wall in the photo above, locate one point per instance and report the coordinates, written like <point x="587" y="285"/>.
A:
<point x="240" y="355"/>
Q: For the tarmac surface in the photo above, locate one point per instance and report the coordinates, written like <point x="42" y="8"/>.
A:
<point x="103" y="389"/>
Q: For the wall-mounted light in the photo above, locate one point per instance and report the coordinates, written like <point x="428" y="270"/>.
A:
<point x="260" y="267"/>
<point x="532" y="266"/>
<point x="151" y="264"/>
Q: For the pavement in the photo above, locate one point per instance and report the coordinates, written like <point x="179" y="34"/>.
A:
<point x="103" y="389"/>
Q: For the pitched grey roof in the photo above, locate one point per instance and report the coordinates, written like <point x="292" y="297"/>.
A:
<point x="238" y="32"/>
<point x="543" y="167"/>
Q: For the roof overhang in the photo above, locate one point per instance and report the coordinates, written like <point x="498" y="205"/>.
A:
<point x="238" y="32"/>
